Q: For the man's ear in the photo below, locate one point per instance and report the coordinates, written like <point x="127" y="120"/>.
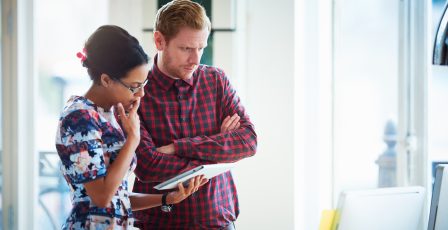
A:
<point x="106" y="81"/>
<point x="159" y="40"/>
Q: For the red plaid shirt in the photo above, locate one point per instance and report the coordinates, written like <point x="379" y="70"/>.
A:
<point x="189" y="113"/>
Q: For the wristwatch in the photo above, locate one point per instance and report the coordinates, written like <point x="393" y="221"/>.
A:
<point x="166" y="207"/>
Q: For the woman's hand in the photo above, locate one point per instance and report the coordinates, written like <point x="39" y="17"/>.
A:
<point x="193" y="186"/>
<point x="131" y="121"/>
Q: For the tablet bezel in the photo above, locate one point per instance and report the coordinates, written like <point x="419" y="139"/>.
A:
<point x="209" y="171"/>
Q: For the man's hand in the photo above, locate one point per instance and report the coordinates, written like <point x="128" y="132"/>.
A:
<point x="230" y="123"/>
<point x="167" y="149"/>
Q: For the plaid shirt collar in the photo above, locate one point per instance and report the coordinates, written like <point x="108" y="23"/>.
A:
<point x="164" y="80"/>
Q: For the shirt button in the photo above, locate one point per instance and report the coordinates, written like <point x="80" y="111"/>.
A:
<point x="182" y="119"/>
<point x="179" y="97"/>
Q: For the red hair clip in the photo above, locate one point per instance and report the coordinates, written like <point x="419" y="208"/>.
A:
<point x="82" y="55"/>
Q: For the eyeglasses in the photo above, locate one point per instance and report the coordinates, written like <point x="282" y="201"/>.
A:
<point x="133" y="89"/>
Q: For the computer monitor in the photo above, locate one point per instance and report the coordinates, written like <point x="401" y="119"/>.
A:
<point x="438" y="214"/>
<point x="397" y="208"/>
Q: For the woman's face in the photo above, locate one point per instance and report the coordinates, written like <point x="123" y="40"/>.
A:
<point x="128" y="89"/>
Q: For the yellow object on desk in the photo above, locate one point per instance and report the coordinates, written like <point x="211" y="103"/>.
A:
<point x="328" y="220"/>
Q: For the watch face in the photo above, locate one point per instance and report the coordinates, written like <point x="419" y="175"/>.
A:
<point x="166" y="208"/>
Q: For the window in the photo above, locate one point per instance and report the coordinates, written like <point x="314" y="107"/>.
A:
<point x="380" y="71"/>
<point x="366" y="76"/>
<point x="61" y="29"/>
<point x="438" y="95"/>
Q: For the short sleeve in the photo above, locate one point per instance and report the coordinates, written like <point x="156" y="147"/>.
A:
<point x="80" y="146"/>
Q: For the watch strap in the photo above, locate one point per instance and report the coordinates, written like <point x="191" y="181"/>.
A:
<point x="165" y="207"/>
<point x="164" y="199"/>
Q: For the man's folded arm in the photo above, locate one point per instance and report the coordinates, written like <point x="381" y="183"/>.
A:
<point x="223" y="147"/>
<point x="154" y="166"/>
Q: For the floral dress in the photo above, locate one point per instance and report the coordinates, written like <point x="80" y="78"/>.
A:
<point x="88" y="140"/>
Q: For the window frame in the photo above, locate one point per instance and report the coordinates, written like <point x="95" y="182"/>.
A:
<point x="19" y="159"/>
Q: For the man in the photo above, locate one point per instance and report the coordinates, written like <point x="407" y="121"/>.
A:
<point x="190" y="115"/>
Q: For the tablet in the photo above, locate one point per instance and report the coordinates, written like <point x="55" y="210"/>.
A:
<point x="208" y="171"/>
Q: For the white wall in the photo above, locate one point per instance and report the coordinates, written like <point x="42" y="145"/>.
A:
<point x="129" y="15"/>
<point x="313" y="112"/>
<point x="288" y="90"/>
<point x="266" y="181"/>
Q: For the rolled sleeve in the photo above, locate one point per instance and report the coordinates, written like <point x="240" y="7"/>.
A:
<point x="80" y="148"/>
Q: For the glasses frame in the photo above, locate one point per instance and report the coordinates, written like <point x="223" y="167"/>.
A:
<point x="133" y="90"/>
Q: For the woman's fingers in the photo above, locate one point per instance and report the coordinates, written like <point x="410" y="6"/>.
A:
<point x="121" y="112"/>
<point x="191" y="185"/>
<point x="181" y="188"/>
<point x="197" y="183"/>
<point x="135" y="106"/>
<point x="203" y="181"/>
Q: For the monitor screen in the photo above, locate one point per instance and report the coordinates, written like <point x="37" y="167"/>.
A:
<point x="439" y="202"/>
<point x="380" y="209"/>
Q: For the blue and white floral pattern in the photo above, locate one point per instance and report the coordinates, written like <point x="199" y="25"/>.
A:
<point x="88" y="140"/>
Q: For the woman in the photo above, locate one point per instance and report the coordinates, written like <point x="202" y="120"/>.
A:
<point x="97" y="153"/>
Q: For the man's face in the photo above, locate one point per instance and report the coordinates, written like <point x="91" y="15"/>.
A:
<point x="180" y="56"/>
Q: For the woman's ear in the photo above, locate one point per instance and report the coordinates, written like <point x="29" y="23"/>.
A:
<point x="106" y="81"/>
